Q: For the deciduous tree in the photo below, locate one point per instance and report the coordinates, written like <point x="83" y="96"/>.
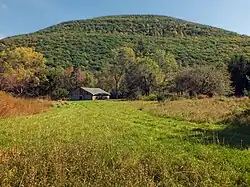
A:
<point x="239" y="68"/>
<point x="122" y="57"/>
<point x="20" y="68"/>
<point x="168" y="65"/>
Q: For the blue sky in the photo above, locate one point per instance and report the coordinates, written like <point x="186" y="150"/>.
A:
<point x="25" y="16"/>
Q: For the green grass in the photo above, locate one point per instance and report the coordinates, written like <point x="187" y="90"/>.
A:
<point x="114" y="144"/>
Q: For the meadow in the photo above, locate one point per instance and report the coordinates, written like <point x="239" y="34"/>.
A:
<point x="108" y="143"/>
<point x="211" y="110"/>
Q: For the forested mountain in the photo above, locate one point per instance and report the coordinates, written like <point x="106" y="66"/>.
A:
<point x="88" y="43"/>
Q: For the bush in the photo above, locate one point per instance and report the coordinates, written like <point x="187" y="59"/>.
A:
<point x="205" y="80"/>
<point x="161" y="98"/>
<point x="246" y="92"/>
<point x="151" y="97"/>
<point x="60" y="93"/>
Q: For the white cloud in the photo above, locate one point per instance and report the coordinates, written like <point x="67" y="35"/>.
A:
<point x="4" y="6"/>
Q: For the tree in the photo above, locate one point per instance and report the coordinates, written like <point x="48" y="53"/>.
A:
<point x="122" y="57"/>
<point x="105" y="80"/>
<point x="149" y="74"/>
<point x="54" y="82"/>
<point x="74" y="77"/>
<point x="239" y="68"/>
<point x="131" y="81"/>
<point x="205" y="80"/>
<point x="20" y="69"/>
<point x="59" y="82"/>
<point x="167" y="63"/>
<point x="142" y="49"/>
<point x="89" y="79"/>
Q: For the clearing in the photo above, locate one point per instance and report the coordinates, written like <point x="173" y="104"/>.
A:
<point x="107" y="143"/>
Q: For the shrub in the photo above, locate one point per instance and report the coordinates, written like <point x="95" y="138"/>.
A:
<point x="151" y="97"/>
<point x="246" y="92"/>
<point x="205" y="80"/>
<point x="161" y="98"/>
<point x="60" y="93"/>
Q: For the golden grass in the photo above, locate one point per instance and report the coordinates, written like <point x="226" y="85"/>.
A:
<point x="11" y="106"/>
<point x="199" y="110"/>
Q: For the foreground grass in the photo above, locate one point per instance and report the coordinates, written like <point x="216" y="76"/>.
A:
<point x="113" y="144"/>
<point x="11" y="106"/>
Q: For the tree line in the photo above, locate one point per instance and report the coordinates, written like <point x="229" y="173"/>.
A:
<point x="129" y="73"/>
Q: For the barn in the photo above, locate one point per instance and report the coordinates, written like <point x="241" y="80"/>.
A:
<point x="84" y="93"/>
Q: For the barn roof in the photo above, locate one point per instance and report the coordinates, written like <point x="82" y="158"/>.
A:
<point x="95" y="91"/>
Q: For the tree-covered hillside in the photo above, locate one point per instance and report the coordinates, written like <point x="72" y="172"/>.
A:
<point x="88" y="43"/>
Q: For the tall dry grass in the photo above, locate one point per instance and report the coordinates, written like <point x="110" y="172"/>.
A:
<point x="11" y="106"/>
<point x="92" y="165"/>
<point x="198" y="110"/>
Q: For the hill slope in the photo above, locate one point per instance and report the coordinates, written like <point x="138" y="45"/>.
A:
<point x="88" y="42"/>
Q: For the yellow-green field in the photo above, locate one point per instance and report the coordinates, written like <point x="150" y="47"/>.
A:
<point x="107" y="143"/>
<point x="213" y="110"/>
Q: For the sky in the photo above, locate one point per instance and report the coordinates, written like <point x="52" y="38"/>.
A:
<point x="26" y="16"/>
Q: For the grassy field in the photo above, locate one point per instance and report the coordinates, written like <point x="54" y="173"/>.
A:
<point x="109" y="143"/>
<point x="212" y="110"/>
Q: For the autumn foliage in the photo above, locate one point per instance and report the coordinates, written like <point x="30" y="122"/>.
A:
<point x="11" y="106"/>
<point x="21" y="69"/>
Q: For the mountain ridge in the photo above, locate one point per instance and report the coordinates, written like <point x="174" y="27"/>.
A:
<point x="88" y="43"/>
